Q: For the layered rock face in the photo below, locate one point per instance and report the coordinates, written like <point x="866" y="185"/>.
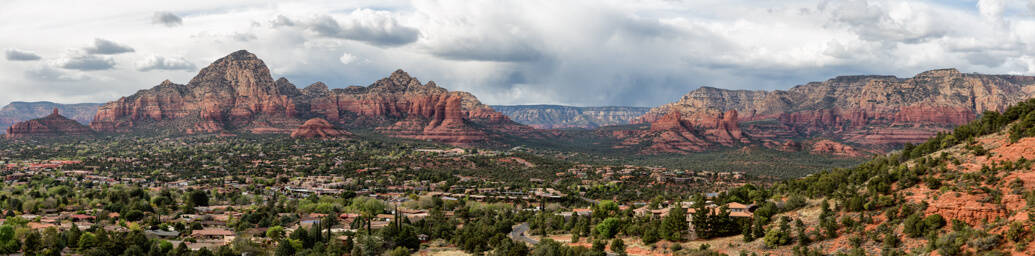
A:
<point x="22" y="111"/>
<point x="317" y="128"/>
<point x="52" y="125"/>
<point x="237" y="93"/>
<point x="879" y="112"/>
<point x="560" y="117"/>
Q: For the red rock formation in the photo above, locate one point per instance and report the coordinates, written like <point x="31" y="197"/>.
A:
<point x="237" y="93"/>
<point x="880" y="112"/>
<point x="671" y="134"/>
<point x="828" y="147"/>
<point x="317" y="128"/>
<point x="51" y="125"/>
<point x="786" y="146"/>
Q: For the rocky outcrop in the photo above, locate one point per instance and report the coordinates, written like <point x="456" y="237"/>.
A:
<point x="234" y="92"/>
<point x="237" y="93"/>
<point x="561" y="117"/>
<point x="828" y="147"/>
<point x="317" y="128"/>
<point x="22" y="111"/>
<point x="52" y="125"/>
<point x="879" y="112"/>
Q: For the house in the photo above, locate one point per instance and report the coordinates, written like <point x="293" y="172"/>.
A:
<point x="161" y="234"/>
<point x="81" y="217"/>
<point x="741" y="210"/>
<point x="213" y="234"/>
<point x="37" y="225"/>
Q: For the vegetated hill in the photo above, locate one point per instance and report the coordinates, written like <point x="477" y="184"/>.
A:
<point x="870" y="113"/>
<point x="237" y="94"/>
<point x="959" y="193"/>
<point x="21" y="111"/>
<point x="560" y="117"/>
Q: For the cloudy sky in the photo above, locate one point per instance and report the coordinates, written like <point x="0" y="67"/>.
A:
<point x="622" y="52"/>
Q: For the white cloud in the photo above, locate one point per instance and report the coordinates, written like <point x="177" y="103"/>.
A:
<point x="991" y="9"/>
<point x="154" y="62"/>
<point x="583" y="52"/>
<point x="347" y="58"/>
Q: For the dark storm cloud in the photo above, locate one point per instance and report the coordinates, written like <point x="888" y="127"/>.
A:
<point x="376" y="28"/>
<point x="19" y="55"/>
<point x="166" y="18"/>
<point x="105" y="47"/>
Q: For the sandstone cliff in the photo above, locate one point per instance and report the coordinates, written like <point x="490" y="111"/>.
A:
<point x="237" y="93"/>
<point x="51" y="125"/>
<point x="879" y="112"/>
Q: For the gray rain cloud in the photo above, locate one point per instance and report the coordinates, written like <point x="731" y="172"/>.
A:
<point x="85" y="62"/>
<point x="166" y="18"/>
<point x="577" y="52"/>
<point x="106" y="47"/>
<point x="20" y="55"/>
<point x="374" y="27"/>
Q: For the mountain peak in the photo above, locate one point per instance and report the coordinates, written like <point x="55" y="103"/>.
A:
<point x="945" y="72"/>
<point x="400" y="81"/>
<point x="399" y="74"/>
<point x="242" y="54"/>
<point x="239" y="69"/>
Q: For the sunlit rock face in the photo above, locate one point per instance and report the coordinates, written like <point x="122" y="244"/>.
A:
<point x="237" y="93"/>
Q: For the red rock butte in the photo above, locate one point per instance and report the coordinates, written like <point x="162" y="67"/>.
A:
<point x="237" y="93"/>
<point x="317" y="128"/>
<point x="51" y="125"/>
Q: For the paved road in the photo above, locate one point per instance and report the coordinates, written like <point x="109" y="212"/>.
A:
<point x="518" y="234"/>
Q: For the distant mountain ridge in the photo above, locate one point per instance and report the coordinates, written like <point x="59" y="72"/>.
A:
<point x="876" y="112"/>
<point x="559" y="117"/>
<point x="22" y="111"/>
<point x="237" y="94"/>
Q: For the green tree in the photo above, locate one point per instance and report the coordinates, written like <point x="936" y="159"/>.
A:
<point x="608" y="228"/>
<point x="275" y="233"/>
<point x="33" y="243"/>
<point x="284" y="248"/>
<point x="674" y="225"/>
<point x="399" y="251"/>
<point x="8" y="244"/>
<point x="198" y="198"/>
<point x="618" y="246"/>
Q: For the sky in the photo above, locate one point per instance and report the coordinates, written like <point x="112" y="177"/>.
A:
<point x="582" y="53"/>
